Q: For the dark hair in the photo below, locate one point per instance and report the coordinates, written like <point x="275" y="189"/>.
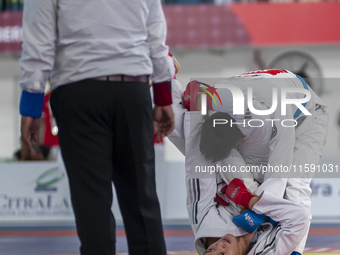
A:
<point x="217" y="142"/>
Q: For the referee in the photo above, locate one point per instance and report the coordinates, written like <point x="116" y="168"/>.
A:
<point x="99" y="56"/>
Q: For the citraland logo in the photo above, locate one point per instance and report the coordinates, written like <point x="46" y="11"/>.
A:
<point x="45" y="181"/>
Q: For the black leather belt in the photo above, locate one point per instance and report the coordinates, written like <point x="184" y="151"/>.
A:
<point x="141" y="78"/>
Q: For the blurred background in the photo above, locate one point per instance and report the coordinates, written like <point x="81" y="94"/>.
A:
<point x="210" y="39"/>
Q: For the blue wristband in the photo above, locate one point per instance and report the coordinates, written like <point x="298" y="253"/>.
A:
<point x="31" y="104"/>
<point x="249" y="220"/>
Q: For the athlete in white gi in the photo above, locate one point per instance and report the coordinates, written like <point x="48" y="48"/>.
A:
<point x="306" y="141"/>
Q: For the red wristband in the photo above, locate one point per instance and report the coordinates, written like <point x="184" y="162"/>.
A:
<point x="162" y="93"/>
<point x="245" y="199"/>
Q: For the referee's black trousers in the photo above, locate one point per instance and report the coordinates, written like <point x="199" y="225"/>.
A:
<point x="106" y="135"/>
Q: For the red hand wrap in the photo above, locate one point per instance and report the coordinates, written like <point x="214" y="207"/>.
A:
<point x="238" y="193"/>
<point x="245" y="199"/>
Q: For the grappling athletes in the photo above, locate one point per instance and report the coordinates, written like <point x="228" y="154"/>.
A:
<point x="275" y="145"/>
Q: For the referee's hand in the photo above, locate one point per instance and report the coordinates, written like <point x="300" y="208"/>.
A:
<point x="163" y="121"/>
<point x="30" y="132"/>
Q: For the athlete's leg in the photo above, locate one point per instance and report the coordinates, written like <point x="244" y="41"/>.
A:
<point x="308" y="150"/>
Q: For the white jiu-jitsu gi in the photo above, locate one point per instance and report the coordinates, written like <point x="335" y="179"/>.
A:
<point x="270" y="144"/>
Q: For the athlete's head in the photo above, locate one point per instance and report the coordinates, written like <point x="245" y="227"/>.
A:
<point x="228" y="245"/>
<point x="217" y="142"/>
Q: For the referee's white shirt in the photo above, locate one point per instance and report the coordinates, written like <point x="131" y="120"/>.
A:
<point x="69" y="41"/>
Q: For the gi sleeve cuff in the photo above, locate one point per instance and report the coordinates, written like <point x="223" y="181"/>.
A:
<point x="162" y="93"/>
<point x="31" y="104"/>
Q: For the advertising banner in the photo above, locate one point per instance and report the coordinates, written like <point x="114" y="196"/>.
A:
<point x="325" y="197"/>
<point x="34" y="192"/>
<point x="39" y="192"/>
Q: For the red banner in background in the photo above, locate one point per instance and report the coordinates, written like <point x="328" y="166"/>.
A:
<point x="203" y="26"/>
<point x="259" y="24"/>
<point x="270" y="24"/>
<point x="220" y="26"/>
<point x="10" y="32"/>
